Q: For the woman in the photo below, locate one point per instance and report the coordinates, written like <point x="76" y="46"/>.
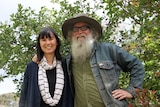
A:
<point x="46" y="84"/>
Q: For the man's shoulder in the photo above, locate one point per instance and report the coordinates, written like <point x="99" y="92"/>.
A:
<point x="106" y="44"/>
<point x="68" y="56"/>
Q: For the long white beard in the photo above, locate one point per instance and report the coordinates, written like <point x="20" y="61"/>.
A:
<point x="81" y="49"/>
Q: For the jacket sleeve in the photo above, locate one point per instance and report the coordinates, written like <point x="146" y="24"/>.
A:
<point x="133" y="65"/>
<point x="23" y="94"/>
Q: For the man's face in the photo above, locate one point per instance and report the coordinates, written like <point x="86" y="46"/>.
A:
<point x="82" y="42"/>
<point x="80" y="31"/>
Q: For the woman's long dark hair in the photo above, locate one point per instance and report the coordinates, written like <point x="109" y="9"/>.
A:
<point x="46" y="33"/>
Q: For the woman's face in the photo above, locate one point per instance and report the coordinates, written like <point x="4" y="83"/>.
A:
<point x="48" y="45"/>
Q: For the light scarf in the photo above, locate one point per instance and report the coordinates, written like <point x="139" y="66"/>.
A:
<point x="43" y="81"/>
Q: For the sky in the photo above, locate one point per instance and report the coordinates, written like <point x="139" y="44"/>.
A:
<point x="7" y="85"/>
<point x="7" y="7"/>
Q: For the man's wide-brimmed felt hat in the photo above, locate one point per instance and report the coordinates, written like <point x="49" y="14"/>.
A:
<point x="68" y="24"/>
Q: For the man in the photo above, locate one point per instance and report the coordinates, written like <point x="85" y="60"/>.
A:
<point x="92" y="66"/>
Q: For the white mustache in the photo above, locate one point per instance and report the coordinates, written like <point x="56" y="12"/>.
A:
<point x="81" y="35"/>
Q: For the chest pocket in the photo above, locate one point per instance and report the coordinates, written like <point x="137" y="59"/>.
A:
<point x="107" y="70"/>
<point x="106" y="65"/>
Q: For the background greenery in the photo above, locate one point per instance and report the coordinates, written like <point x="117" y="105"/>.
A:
<point x="142" y="38"/>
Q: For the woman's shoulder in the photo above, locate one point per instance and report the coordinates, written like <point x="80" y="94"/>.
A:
<point x="31" y="68"/>
<point x="32" y="64"/>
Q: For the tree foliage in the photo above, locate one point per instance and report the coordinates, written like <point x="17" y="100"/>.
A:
<point x="141" y="37"/>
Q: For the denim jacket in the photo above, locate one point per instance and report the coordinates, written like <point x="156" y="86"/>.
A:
<point x="106" y="61"/>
